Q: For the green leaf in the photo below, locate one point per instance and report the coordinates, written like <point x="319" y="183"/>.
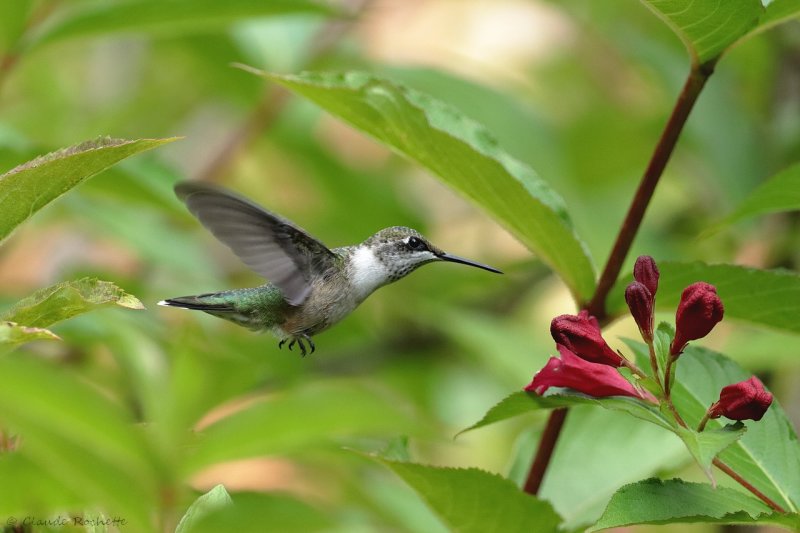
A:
<point x="780" y="193"/>
<point x="168" y="18"/>
<point x="86" y="442"/>
<point x="708" y="27"/>
<point x="12" y="334"/>
<point x="765" y="297"/>
<point x="462" y="154"/>
<point x="263" y="512"/>
<point x="768" y="454"/>
<point x="598" y="452"/>
<point x="519" y="403"/>
<point x="67" y="299"/>
<point x="311" y="416"/>
<point x="212" y="500"/>
<point x="705" y="446"/>
<point x="654" y="501"/>
<point x="32" y="185"/>
<point x="473" y="500"/>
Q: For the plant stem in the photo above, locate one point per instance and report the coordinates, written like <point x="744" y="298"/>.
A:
<point x="695" y="82"/>
<point x="702" y="425"/>
<point x="744" y="483"/>
<point x="545" y="450"/>
<point x="658" y="161"/>
<point x="633" y="368"/>
<point x="653" y="360"/>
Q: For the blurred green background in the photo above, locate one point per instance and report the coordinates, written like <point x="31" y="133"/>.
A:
<point x="577" y="89"/>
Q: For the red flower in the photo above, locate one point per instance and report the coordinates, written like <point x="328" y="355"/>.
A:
<point x="646" y="272"/>
<point x="746" y="400"/>
<point x="581" y="334"/>
<point x="698" y="312"/>
<point x="583" y="376"/>
<point x="640" y="302"/>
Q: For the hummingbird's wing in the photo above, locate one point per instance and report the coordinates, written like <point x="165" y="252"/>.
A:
<point x="267" y="243"/>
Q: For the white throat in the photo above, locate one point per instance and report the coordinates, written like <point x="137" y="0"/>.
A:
<point x="367" y="272"/>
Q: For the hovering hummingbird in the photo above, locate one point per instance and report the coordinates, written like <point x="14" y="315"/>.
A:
<point x="311" y="286"/>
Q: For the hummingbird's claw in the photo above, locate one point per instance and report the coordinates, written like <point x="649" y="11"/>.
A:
<point x="311" y="343"/>
<point x="300" y="343"/>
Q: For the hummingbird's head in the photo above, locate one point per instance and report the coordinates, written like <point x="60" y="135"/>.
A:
<point x="401" y="250"/>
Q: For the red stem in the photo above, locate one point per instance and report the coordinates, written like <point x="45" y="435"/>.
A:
<point x="546" y="446"/>
<point x="658" y="161"/>
<point x="698" y="76"/>
<point x="743" y="482"/>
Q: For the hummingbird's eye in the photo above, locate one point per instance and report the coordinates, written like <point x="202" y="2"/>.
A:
<point x="416" y="244"/>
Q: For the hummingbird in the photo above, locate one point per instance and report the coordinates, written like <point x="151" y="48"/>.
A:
<point x="311" y="287"/>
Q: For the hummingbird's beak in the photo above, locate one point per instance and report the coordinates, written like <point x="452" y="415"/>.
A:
<point x="455" y="259"/>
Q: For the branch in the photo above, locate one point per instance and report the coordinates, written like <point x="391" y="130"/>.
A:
<point x="698" y="76"/>
<point x="547" y="445"/>
<point x="743" y="482"/>
<point x="658" y="161"/>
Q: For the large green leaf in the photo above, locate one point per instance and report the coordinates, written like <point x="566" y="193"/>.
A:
<point x="654" y="501"/>
<point x="32" y="185"/>
<point x="708" y="27"/>
<point x="67" y="299"/>
<point x="768" y="454"/>
<point x="703" y="446"/>
<point x="473" y="500"/>
<point x="461" y="153"/>
<point x="765" y="297"/>
<point x="598" y="452"/>
<point x="83" y="439"/>
<point x="169" y="18"/>
<point x="780" y="193"/>
<point x="311" y="416"/>
<point x="519" y="403"/>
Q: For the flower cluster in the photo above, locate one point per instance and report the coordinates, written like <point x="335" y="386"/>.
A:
<point x="587" y="364"/>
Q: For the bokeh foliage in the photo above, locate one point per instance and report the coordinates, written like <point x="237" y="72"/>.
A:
<point x="136" y="413"/>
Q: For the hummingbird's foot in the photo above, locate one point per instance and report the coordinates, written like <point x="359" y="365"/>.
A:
<point x="299" y="341"/>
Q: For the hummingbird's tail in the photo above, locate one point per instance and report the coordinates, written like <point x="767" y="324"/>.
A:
<point x="256" y="308"/>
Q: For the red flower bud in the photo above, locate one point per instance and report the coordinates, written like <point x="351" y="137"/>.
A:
<point x="583" y="376"/>
<point x="645" y="272"/>
<point x="746" y="400"/>
<point x="640" y="302"/>
<point x="581" y="334"/>
<point x="698" y="312"/>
